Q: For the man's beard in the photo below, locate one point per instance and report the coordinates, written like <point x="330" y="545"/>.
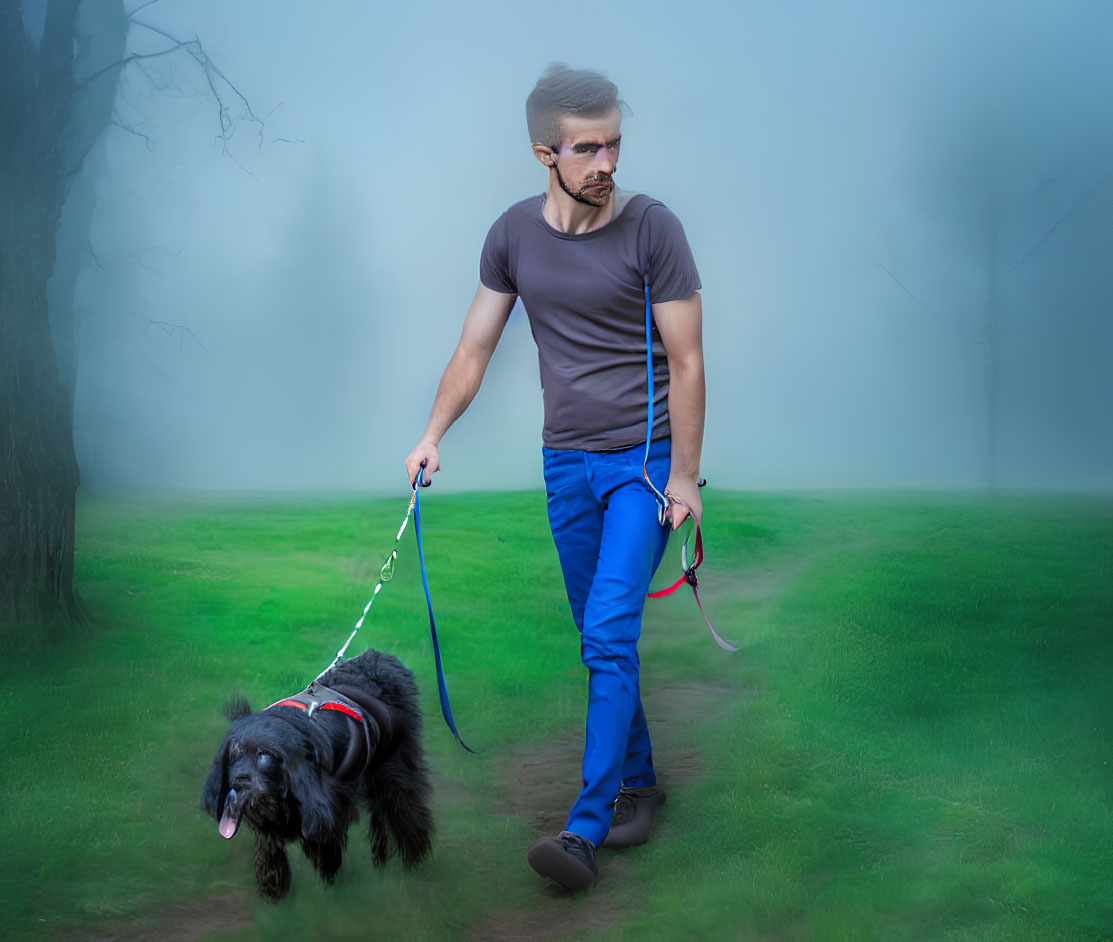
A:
<point x="581" y="196"/>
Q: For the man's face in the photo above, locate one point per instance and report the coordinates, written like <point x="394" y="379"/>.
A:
<point x="588" y="157"/>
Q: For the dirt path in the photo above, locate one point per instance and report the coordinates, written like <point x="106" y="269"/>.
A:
<point x="541" y="782"/>
<point x="182" y="922"/>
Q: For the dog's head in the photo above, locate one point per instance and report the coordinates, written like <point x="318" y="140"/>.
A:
<point x="266" y="773"/>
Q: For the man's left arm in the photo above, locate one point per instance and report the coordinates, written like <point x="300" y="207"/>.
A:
<point x="680" y="324"/>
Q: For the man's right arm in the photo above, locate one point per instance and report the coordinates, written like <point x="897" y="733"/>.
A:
<point x="460" y="382"/>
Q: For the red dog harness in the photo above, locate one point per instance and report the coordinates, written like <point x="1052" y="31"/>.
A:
<point x="361" y="744"/>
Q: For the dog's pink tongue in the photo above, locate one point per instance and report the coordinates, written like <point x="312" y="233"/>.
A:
<point x="229" y="822"/>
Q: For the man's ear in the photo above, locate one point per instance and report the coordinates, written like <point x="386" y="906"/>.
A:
<point x="545" y="154"/>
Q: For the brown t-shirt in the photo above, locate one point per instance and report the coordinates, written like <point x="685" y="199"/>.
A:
<point x="585" y="299"/>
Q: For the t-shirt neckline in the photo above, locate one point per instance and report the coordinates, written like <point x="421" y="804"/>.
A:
<point x="580" y="236"/>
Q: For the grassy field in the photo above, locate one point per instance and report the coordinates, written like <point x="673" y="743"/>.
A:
<point x="914" y="741"/>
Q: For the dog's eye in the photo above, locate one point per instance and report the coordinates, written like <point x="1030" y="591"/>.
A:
<point x="265" y="761"/>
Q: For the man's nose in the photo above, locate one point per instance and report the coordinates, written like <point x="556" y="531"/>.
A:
<point x="605" y="161"/>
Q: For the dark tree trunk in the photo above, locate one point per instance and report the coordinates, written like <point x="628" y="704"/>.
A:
<point x="39" y="469"/>
<point x="41" y="148"/>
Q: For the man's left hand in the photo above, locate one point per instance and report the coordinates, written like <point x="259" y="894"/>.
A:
<point x="684" y="500"/>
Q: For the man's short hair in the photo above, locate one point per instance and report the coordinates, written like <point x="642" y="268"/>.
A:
<point x="561" y="91"/>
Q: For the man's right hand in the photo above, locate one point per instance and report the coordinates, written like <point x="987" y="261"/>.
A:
<point x="427" y="453"/>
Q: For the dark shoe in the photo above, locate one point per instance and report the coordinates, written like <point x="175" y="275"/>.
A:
<point x="632" y="816"/>
<point x="569" y="859"/>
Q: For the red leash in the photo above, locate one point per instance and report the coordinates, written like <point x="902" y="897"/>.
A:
<point x="690" y="577"/>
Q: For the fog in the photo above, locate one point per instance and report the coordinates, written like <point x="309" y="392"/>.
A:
<point x="902" y="214"/>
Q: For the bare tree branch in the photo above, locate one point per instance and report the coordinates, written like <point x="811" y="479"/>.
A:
<point x="134" y="57"/>
<point x="142" y="6"/>
<point x="1070" y="212"/>
<point x="93" y="255"/>
<point x="275" y="140"/>
<point x="218" y="82"/>
<point x="178" y="330"/>
<point x="151" y="145"/>
<point x="213" y="73"/>
<point x="232" y="157"/>
<point x="928" y="310"/>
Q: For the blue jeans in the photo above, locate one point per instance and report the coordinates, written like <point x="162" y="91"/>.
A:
<point x="604" y="522"/>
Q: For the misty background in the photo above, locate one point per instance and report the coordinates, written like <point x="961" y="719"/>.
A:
<point x="902" y="215"/>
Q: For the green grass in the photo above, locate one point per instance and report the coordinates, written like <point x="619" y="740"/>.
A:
<point x="913" y="743"/>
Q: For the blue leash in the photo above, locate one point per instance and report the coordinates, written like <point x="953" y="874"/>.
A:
<point x="446" y="710"/>
<point x="648" y="370"/>
<point x="662" y="501"/>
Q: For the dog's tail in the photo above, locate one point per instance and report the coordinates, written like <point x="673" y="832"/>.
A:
<point x="398" y="796"/>
<point x="237" y="707"/>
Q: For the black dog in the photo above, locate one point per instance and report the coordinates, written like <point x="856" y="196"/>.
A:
<point x="298" y="769"/>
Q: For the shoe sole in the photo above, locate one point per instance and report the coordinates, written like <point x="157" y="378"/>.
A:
<point x="548" y="857"/>
<point x="635" y="833"/>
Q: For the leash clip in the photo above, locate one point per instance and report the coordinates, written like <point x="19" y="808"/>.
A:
<point x="690" y="577"/>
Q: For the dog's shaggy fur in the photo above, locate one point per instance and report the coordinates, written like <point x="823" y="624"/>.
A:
<point x="274" y="771"/>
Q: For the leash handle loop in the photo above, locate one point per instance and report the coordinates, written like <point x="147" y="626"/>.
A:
<point x="689" y="577"/>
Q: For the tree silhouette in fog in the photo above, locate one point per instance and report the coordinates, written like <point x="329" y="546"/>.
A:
<point x="1010" y="193"/>
<point x="60" y="64"/>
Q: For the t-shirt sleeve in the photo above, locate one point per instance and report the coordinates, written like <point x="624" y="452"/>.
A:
<point x="494" y="261"/>
<point x="672" y="269"/>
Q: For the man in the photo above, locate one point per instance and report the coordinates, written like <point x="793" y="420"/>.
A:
<point x="579" y="257"/>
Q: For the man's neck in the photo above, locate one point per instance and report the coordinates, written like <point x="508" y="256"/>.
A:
<point x="570" y="215"/>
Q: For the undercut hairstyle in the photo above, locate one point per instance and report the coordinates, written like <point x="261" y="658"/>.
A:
<point x="561" y="91"/>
